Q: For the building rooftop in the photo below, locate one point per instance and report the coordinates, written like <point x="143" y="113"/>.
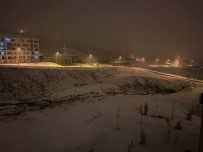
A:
<point x="17" y="36"/>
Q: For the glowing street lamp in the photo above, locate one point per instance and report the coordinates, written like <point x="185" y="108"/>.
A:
<point x="57" y="53"/>
<point x="89" y="58"/>
<point x="157" y="60"/>
<point x="168" y="61"/>
<point x="21" y="31"/>
<point x="120" y="58"/>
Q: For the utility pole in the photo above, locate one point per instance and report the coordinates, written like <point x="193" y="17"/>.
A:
<point x="201" y="127"/>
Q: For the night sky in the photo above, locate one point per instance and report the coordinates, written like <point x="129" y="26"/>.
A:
<point x="145" y="27"/>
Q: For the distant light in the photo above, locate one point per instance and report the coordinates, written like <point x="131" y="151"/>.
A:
<point x="21" y="31"/>
<point x="2" y="48"/>
<point x="157" y="59"/>
<point x="8" y="39"/>
<point x="57" y="53"/>
<point x="120" y="57"/>
<point x="18" y="49"/>
<point x="89" y="58"/>
<point x="168" y="62"/>
<point x="140" y="59"/>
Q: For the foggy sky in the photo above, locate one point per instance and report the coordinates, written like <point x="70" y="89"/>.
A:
<point x="145" y="27"/>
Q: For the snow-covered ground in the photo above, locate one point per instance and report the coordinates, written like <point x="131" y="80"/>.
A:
<point x="51" y="65"/>
<point x="190" y="72"/>
<point x="75" y="109"/>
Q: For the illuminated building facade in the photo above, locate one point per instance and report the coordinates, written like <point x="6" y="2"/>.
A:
<point x="18" y="49"/>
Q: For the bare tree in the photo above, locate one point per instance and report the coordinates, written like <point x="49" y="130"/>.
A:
<point x="117" y="119"/>
<point x="178" y="125"/>
<point x="175" y="140"/>
<point x="146" y="109"/>
<point x="130" y="146"/>
<point x="172" y="111"/>
<point x="189" y="116"/>
<point x="142" y="136"/>
<point x="141" y="113"/>
<point x="169" y="123"/>
<point x="92" y="148"/>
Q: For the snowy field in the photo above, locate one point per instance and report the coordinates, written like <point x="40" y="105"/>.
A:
<point x="81" y="109"/>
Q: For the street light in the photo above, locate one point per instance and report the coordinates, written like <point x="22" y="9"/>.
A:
<point x="57" y="53"/>
<point x="21" y="31"/>
<point x="120" y="58"/>
<point x="90" y="56"/>
<point x="168" y="61"/>
<point x="157" y="60"/>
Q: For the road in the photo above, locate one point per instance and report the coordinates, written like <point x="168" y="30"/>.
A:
<point x="174" y="76"/>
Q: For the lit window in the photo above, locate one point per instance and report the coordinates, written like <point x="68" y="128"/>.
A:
<point x="2" y="48"/>
<point x="8" y="39"/>
<point x="36" y="56"/>
<point x="2" y="53"/>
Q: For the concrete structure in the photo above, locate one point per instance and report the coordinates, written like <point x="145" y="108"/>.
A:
<point x="18" y="49"/>
<point x="66" y="59"/>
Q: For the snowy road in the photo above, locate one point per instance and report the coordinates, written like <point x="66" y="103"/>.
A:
<point x="173" y="76"/>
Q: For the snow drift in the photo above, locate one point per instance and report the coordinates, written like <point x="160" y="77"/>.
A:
<point x="27" y="88"/>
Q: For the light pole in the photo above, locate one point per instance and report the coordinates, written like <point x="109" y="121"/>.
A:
<point x="119" y="59"/>
<point x="143" y="60"/>
<point x="168" y="61"/>
<point x="156" y="61"/>
<point x="90" y="56"/>
<point x="56" y="57"/>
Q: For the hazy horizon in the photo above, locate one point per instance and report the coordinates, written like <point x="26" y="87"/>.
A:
<point x="146" y="28"/>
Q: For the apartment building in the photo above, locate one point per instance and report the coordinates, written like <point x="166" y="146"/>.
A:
<point x="18" y="49"/>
